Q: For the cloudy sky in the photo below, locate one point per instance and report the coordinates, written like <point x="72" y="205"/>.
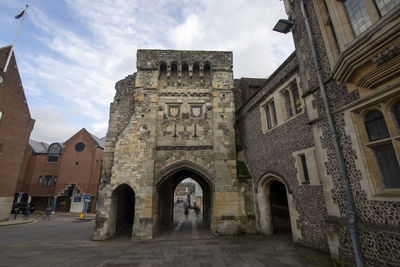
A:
<point x="70" y="53"/>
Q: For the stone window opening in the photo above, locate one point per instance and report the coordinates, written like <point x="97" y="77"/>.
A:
<point x="185" y="70"/>
<point x="305" y="169"/>
<point x="306" y="165"/>
<point x="163" y="69"/>
<point x="174" y="70"/>
<point x="207" y="69"/>
<point x="196" y="70"/>
<point x="292" y="101"/>
<point x="270" y="114"/>
<point x="381" y="136"/>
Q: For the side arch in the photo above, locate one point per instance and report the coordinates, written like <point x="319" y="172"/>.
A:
<point x="264" y="210"/>
<point x="123" y="209"/>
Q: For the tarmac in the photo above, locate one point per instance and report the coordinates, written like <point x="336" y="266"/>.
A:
<point x="22" y="219"/>
<point x="59" y="241"/>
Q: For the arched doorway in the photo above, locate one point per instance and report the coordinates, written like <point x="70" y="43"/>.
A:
<point x="123" y="198"/>
<point x="165" y="192"/>
<point x="279" y="208"/>
<point x="273" y="206"/>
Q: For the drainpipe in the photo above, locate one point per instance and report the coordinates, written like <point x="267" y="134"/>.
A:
<point x="338" y="152"/>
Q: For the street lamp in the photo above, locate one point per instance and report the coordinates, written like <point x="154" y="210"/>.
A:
<point x="284" y="26"/>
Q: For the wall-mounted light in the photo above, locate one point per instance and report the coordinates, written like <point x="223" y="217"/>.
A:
<point x="284" y="26"/>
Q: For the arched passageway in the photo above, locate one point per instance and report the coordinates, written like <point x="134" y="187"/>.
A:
<point x="273" y="206"/>
<point x="123" y="198"/>
<point x="165" y="192"/>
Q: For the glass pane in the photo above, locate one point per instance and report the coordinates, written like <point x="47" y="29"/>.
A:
<point x="274" y="112"/>
<point x="305" y="170"/>
<point x="296" y="98"/>
<point x="396" y="112"/>
<point x="358" y="15"/>
<point x="289" y="111"/>
<point x="385" y="6"/>
<point x="268" y="117"/>
<point x="388" y="165"/>
<point x="376" y="126"/>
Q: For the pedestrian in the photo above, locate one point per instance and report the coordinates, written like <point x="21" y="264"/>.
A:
<point x="47" y="213"/>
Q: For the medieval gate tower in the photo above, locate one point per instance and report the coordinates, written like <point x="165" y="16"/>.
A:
<point x="173" y="119"/>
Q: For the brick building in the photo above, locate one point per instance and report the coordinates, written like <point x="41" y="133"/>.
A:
<point x="60" y="174"/>
<point x="15" y="128"/>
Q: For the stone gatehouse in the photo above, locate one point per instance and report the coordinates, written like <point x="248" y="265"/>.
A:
<point x="171" y="120"/>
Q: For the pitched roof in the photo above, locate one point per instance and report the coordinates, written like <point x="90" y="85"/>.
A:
<point x="99" y="141"/>
<point x="38" y="147"/>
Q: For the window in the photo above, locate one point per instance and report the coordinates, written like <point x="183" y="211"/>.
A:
<point x="55" y="180"/>
<point x="382" y="136"/>
<point x="1" y="148"/>
<point x="358" y="15"/>
<point x="40" y="180"/>
<point x="54" y="151"/>
<point x="292" y="100"/>
<point x="47" y="180"/>
<point x="306" y="165"/>
<point x="79" y="147"/>
<point x="384" y="6"/>
<point x="270" y="114"/>
<point x="1" y="114"/>
<point x="305" y="170"/>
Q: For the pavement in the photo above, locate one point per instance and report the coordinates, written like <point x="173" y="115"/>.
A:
<point x="59" y="241"/>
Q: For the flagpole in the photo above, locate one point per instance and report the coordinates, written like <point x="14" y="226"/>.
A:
<point x="15" y="39"/>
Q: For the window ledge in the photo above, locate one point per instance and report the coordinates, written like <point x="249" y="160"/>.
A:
<point x="389" y="193"/>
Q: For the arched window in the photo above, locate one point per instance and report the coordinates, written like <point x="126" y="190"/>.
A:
<point x="207" y="68"/>
<point x="54" y="151"/>
<point x="396" y="113"/>
<point x="196" y="69"/>
<point x="185" y="69"/>
<point x="163" y="68"/>
<point x="382" y="146"/>
<point x="174" y="69"/>
<point x="376" y="126"/>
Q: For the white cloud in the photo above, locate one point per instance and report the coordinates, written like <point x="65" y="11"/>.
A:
<point x="74" y="71"/>
<point x="50" y="125"/>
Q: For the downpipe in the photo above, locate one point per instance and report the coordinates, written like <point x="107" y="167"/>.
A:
<point x="352" y="224"/>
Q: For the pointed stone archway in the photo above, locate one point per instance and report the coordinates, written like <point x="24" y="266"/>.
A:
<point x="169" y="178"/>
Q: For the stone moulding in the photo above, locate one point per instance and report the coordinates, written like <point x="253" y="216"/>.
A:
<point x="170" y="170"/>
<point x="183" y="147"/>
<point x="381" y="74"/>
<point x="359" y="54"/>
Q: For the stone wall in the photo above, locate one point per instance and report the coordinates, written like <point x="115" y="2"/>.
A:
<point x="176" y="118"/>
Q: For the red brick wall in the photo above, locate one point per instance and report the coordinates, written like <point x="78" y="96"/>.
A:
<point x="80" y="167"/>
<point x="15" y="126"/>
